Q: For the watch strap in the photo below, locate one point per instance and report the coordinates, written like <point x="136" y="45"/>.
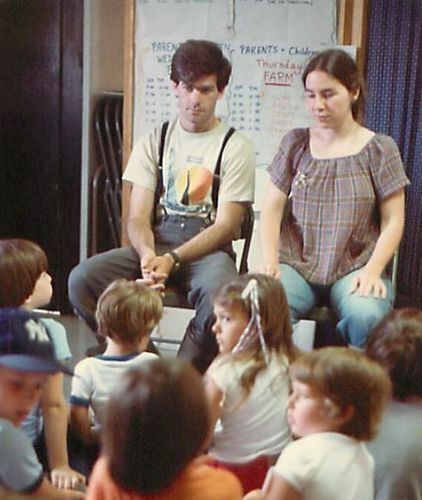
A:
<point x="175" y="257"/>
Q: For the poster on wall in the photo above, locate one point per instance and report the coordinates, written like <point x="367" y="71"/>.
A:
<point x="264" y="98"/>
<point x="304" y="21"/>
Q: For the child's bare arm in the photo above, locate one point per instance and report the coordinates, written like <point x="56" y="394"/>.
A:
<point x="46" y="491"/>
<point x="55" y="429"/>
<point x="81" y="424"/>
<point x="215" y="396"/>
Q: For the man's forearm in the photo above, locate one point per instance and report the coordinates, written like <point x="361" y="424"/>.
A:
<point x="141" y="236"/>
<point x="205" y="242"/>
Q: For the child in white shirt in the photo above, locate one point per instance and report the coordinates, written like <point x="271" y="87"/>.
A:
<point x="127" y="312"/>
<point x="337" y="402"/>
<point x="248" y="384"/>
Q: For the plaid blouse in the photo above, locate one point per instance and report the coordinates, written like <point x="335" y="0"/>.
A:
<point x="331" y="223"/>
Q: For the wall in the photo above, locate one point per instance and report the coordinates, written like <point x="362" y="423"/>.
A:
<point x="103" y="71"/>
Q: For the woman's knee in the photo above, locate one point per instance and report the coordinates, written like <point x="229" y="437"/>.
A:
<point x="356" y="323"/>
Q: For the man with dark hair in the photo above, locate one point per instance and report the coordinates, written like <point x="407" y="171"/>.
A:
<point x="191" y="184"/>
<point x="197" y="58"/>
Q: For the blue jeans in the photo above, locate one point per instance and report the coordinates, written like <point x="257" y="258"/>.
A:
<point x="356" y="315"/>
<point x="200" y="279"/>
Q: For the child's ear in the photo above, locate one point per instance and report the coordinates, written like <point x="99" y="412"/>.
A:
<point x="346" y="413"/>
<point x="27" y="301"/>
<point x="343" y="414"/>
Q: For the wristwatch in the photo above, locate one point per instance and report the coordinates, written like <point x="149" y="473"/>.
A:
<point x="175" y="258"/>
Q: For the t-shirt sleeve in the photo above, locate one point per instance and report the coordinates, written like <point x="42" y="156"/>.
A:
<point x="19" y="465"/>
<point x="219" y="372"/>
<point x="238" y="171"/>
<point x="142" y="167"/>
<point x="58" y="338"/>
<point x="386" y="166"/>
<point x="226" y="374"/>
<point x="81" y="389"/>
<point x="295" y="465"/>
<point x="284" y="165"/>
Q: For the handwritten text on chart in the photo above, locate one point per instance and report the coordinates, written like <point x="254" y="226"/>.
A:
<point x="243" y="49"/>
<point x="279" y="73"/>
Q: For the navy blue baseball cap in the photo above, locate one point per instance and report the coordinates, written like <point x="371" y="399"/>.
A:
<point x="25" y="344"/>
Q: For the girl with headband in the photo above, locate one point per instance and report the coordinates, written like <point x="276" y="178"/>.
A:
<point x="248" y="384"/>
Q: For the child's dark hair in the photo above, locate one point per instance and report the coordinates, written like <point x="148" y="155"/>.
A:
<point x="195" y="59"/>
<point x="396" y="343"/>
<point x="157" y="420"/>
<point x="346" y="378"/>
<point x="275" y="319"/>
<point x="21" y="264"/>
<point x="128" y="311"/>
<point x="340" y="65"/>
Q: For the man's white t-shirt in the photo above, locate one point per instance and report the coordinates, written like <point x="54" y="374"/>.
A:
<point x="189" y="161"/>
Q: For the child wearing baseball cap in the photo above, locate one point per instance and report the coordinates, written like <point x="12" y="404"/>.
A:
<point x="26" y="362"/>
<point x="25" y="282"/>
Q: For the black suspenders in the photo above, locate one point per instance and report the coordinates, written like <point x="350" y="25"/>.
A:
<point x="160" y="185"/>
<point x="216" y="176"/>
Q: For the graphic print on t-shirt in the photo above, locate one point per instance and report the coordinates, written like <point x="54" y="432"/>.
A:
<point x="188" y="188"/>
<point x="192" y="185"/>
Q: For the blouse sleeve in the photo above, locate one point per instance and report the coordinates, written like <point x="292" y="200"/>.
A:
<point x="386" y="166"/>
<point x="284" y="166"/>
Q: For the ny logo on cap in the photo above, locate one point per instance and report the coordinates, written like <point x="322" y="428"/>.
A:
<point x="36" y="331"/>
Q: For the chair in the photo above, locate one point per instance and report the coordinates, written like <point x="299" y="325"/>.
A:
<point x="106" y="184"/>
<point x="174" y="299"/>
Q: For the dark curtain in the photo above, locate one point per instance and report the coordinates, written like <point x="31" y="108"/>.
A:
<point x="41" y="46"/>
<point x="394" y="79"/>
